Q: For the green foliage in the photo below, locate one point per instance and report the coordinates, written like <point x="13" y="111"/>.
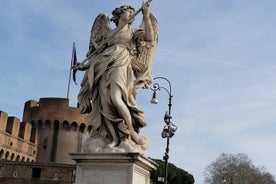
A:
<point x="175" y="175"/>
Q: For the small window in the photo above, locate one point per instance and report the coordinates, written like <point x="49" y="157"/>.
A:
<point x="45" y="142"/>
<point x="14" y="174"/>
<point x="36" y="173"/>
<point x="56" y="176"/>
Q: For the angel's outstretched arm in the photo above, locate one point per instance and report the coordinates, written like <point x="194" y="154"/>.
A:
<point x="149" y="32"/>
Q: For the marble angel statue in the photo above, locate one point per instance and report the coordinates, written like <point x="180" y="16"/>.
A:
<point x="118" y="62"/>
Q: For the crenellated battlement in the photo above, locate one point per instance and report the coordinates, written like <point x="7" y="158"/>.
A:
<point x="15" y="140"/>
<point x="51" y="129"/>
<point x="52" y="109"/>
<point x="51" y="112"/>
<point x="3" y="120"/>
<point x="10" y="125"/>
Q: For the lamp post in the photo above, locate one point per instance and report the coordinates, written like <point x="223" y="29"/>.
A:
<point x="169" y="128"/>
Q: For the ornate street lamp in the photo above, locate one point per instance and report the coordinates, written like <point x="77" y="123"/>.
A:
<point x="169" y="128"/>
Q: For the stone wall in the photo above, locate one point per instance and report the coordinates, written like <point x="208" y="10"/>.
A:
<point x="15" y="139"/>
<point x="20" y="172"/>
<point x="50" y="130"/>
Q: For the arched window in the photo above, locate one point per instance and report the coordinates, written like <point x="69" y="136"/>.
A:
<point x="1" y="154"/>
<point x="17" y="158"/>
<point x="23" y="159"/>
<point x="12" y="156"/>
<point x="74" y="126"/>
<point x="7" y="155"/>
<point x="48" y="124"/>
<point x="65" y="125"/>
<point x="82" y="127"/>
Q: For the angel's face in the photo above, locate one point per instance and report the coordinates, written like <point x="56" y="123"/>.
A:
<point x="126" y="15"/>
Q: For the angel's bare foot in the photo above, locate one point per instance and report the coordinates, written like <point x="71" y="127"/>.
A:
<point x="137" y="138"/>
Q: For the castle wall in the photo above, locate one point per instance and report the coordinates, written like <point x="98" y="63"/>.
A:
<point x="14" y="145"/>
<point x="33" y="173"/>
<point x="36" y="149"/>
<point x="60" y="129"/>
<point x="50" y="130"/>
<point x="67" y="139"/>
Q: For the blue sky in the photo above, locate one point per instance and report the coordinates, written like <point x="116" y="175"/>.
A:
<point x="219" y="56"/>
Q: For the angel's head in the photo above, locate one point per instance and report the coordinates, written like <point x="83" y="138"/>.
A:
<point x="122" y="12"/>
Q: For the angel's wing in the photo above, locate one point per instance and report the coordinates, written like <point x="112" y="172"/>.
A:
<point x="99" y="31"/>
<point x="142" y="66"/>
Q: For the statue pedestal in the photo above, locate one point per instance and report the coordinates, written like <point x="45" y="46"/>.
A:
<point x="112" y="168"/>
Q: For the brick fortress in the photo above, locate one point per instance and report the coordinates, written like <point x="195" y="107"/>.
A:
<point x="36" y="149"/>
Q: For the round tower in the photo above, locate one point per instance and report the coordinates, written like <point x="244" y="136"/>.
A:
<point x="57" y="128"/>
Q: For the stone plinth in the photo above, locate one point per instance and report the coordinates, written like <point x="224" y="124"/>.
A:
<point x="112" y="168"/>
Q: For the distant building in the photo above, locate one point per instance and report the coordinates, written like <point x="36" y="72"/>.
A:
<point x="37" y="148"/>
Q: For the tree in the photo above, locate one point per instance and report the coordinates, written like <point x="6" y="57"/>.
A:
<point x="175" y="175"/>
<point x="236" y="169"/>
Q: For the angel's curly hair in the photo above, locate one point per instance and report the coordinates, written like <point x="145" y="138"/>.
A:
<point x="118" y="11"/>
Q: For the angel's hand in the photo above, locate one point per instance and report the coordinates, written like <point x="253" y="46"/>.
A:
<point x="145" y="8"/>
<point x="81" y="66"/>
<point x="77" y="66"/>
<point x="74" y="67"/>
